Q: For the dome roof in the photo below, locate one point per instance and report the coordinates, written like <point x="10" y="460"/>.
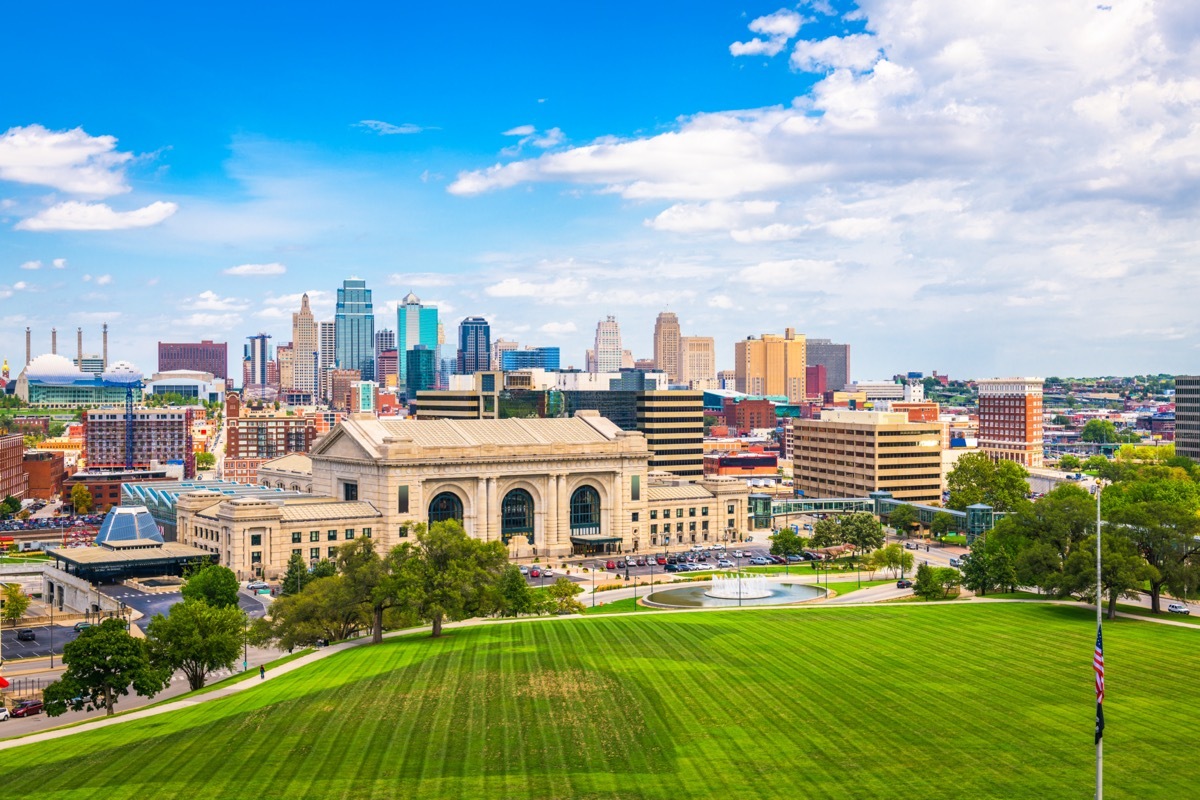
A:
<point x="129" y="524"/>
<point x="121" y="372"/>
<point x="411" y="299"/>
<point x="53" y="368"/>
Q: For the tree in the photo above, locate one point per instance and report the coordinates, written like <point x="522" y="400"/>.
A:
<point x="81" y="499"/>
<point x="925" y="585"/>
<point x="372" y="581"/>
<point x="102" y="664"/>
<point x="862" y="530"/>
<point x="1122" y="572"/>
<point x="943" y="523"/>
<point x="447" y="574"/>
<point x="948" y="578"/>
<point x="515" y="597"/>
<point x="9" y="506"/>
<point x="786" y="543"/>
<point x="977" y="479"/>
<point x="323" y="569"/>
<point x="1100" y="431"/>
<point x="902" y="518"/>
<point x="324" y="610"/>
<point x="562" y="593"/>
<point x="826" y="533"/>
<point x="1166" y="535"/>
<point x="16" y="603"/>
<point x="205" y="460"/>
<point x="1001" y="571"/>
<point x="976" y="572"/>
<point x="196" y="638"/>
<point x="1039" y="565"/>
<point x="1070" y="463"/>
<point x="892" y="558"/>
<point x="214" y="584"/>
<point x="1060" y="419"/>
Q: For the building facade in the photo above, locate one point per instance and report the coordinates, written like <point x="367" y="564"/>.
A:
<point x="835" y="358"/>
<point x="666" y="345"/>
<point x="421" y="369"/>
<point x="202" y="356"/>
<point x="415" y="324"/>
<point x="547" y="358"/>
<point x="1010" y="420"/>
<point x="327" y="355"/>
<point x="14" y="481"/>
<point x="253" y="436"/>
<point x="673" y="424"/>
<point x="607" y="353"/>
<point x="771" y="365"/>
<point x="854" y="453"/>
<point x="46" y="471"/>
<point x="340" y="381"/>
<point x="354" y="319"/>
<point x="1187" y="416"/>
<point x="698" y="362"/>
<point x="306" y="346"/>
<point x="160" y="436"/>
<point x="474" y="346"/>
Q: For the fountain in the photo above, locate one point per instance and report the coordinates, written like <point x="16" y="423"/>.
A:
<point x="734" y="587"/>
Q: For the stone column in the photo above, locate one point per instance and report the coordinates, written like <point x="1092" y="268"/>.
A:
<point x="480" y="522"/>
<point x="493" y="511"/>
<point x="549" y="511"/>
<point x="564" y="511"/>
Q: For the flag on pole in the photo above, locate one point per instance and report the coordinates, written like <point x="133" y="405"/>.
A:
<point x="1098" y="666"/>
<point x="3" y="682"/>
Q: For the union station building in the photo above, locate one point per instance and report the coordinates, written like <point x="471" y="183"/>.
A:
<point x="546" y="488"/>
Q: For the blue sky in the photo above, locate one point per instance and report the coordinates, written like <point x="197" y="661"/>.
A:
<point x="1004" y="189"/>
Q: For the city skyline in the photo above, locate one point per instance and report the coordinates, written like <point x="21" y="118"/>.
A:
<point x="982" y="234"/>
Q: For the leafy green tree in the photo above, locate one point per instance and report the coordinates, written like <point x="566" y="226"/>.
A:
<point x="826" y="533"/>
<point x="893" y="558"/>
<point x="977" y="479"/>
<point x="1168" y="537"/>
<point x="323" y="569"/>
<point x="205" y="460"/>
<point x="903" y="518"/>
<point x="1070" y="463"/>
<point x="16" y="603"/>
<point x="786" y="543"/>
<point x="296" y="577"/>
<point x="976" y="572"/>
<point x="943" y="524"/>
<point x="102" y="664"/>
<point x="374" y="582"/>
<point x="325" y="610"/>
<point x="447" y="574"/>
<point x="948" y="578"/>
<point x="862" y="530"/>
<point x="1002" y="573"/>
<point x="57" y="429"/>
<point x="1129" y="436"/>
<point x="1038" y="564"/>
<point x="214" y="584"/>
<point x="515" y="597"/>
<point x="81" y="499"/>
<point x="196" y="638"/>
<point x="1123" y="571"/>
<point x="1099" y="431"/>
<point x="926" y="585"/>
<point x="1060" y="419"/>
<point x="9" y="506"/>
<point x="562" y="593"/>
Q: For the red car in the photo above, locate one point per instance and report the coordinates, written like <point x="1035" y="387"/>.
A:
<point x="535" y="573"/>
<point x="27" y="708"/>
<point x="611" y="565"/>
<point x="661" y="561"/>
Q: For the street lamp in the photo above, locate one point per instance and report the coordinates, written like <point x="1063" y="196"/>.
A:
<point x="51" y="632"/>
<point x="739" y="574"/>
<point x="593" y="584"/>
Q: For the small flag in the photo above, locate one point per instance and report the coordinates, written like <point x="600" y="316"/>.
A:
<point x="1098" y="666"/>
<point x="3" y="682"/>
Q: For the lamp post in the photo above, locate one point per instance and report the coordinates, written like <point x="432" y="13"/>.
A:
<point x="739" y="574"/>
<point x="1099" y="623"/>
<point x="51" y="632"/>
<point x="593" y="584"/>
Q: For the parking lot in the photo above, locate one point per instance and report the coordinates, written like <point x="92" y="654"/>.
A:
<point x="57" y="635"/>
<point x="705" y="559"/>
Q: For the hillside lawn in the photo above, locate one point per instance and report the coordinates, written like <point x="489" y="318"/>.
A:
<point x="930" y="701"/>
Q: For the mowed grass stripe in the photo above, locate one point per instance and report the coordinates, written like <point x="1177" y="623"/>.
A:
<point x="966" y="700"/>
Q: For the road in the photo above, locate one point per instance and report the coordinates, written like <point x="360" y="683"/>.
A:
<point x="150" y="604"/>
<point x="59" y="635"/>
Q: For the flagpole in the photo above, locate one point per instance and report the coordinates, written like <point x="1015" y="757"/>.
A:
<point x="1099" y="623"/>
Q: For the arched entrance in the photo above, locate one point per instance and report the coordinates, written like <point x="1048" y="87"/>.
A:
<point x="444" y="506"/>
<point x="586" y="536"/>
<point x="516" y="515"/>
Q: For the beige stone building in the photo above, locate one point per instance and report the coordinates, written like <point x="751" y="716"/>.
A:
<point x="853" y="453"/>
<point x="698" y="362"/>
<point x="771" y="365"/>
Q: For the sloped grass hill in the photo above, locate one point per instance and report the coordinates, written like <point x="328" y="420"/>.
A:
<point x="956" y="701"/>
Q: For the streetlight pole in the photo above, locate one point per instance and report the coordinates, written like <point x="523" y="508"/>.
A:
<point x="593" y="584"/>
<point x="1099" y="623"/>
<point x="51" y="632"/>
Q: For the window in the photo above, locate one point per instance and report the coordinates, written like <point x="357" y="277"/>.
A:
<point x="349" y="533"/>
<point x="256" y="557"/>
<point x="314" y="536"/>
<point x="349" y="490"/>
<point x="331" y="536"/>
<point x="653" y="528"/>
<point x="256" y="540"/>
<point x="679" y="529"/>
<point x="692" y="511"/>
<point x="333" y="552"/>
<point x="654" y="513"/>
<point x="314" y="553"/>
<point x="704" y="511"/>
<point x="516" y="515"/>
<point x="402" y="500"/>
<point x="367" y="532"/>
<point x="704" y="525"/>
<point x="403" y="532"/>
<point x="295" y="537"/>
<point x="692" y="527"/>
<point x="296" y="551"/>
<point x="635" y="488"/>
<point x="634" y="517"/>
<point x="445" y="506"/>
<point x="729" y="509"/>
<point x="679" y="512"/>
<point x="731" y="525"/>
<point x="585" y="510"/>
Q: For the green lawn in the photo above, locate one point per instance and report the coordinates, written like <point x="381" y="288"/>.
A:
<point x="845" y="587"/>
<point x="1164" y="614"/>
<point x="957" y="701"/>
<point x="611" y="606"/>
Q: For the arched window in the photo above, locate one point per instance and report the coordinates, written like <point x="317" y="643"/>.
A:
<point x="445" y="506"/>
<point x="585" y="510"/>
<point x="516" y="515"/>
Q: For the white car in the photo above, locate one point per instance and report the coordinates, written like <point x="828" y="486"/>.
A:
<point x="549" y="573"/>
<point x="3" y="714"/>
<point x="524" y="569"/>
<point x="738" y="554"/>
<point x="724" y="562"/>
<point x="1178" y="608"/>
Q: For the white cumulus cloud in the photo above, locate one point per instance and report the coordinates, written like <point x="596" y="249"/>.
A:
<point x="388" y="129"/>
<point x="778" y="28"/>
<point x="244" y="270"/>
<point x="209" y="300"/>
<point x="71" y="161"/>
<point x="558" y="289"/>
<point x="32" y="265"/>
<point x="78" y="216"/>
<point x="713" y="216"/>
<point x="558" y="328"/>
<point x="59" y="263"/>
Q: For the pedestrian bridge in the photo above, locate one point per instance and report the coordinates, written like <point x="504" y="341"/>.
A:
<point x="770" y="512"/>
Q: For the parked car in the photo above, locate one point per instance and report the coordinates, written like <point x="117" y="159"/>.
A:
<point x="82" y="626"/>
<point x="760" y="561"/>
<point x="27" y="708"/>
<point x="807" y="527"/>
<point x="661" y="560"/>
<point x="610" y="565"/>
<point x="724" y="562"/>
<point x="809" y="555"/>
<point x="776" y="559"/>
<point x="3" y="713"/>
<point x="535" y="573"/>
<point x="524" y="569"/>
<point x="254" y="586"/>
<point x="739" y="554"/>
<point x="26" y="635"/>
<point x="641" y="562"/>
<point x="547" y="573"/>
<point x="955" y="562"/>
<point x="911" y="546"/>
<point x="1178" y="608"/>
<point x="904" y="584"/>
<point x="675" y="568"/>
<point x="793" y="558"/>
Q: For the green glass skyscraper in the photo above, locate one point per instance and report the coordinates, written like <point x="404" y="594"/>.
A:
<point x="355" y="323"/>
<point x="415" y="324"/>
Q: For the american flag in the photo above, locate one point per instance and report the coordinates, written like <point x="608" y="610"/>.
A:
<point x="1098" y="666"/>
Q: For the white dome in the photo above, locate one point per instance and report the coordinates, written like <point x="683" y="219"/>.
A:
<point x="121" y="372"/>
<point x="53" y="368"/>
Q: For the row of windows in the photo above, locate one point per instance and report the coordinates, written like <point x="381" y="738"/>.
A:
<point x="678" y="527"/>
<point x="315" y="536"/>
<point x="314" y="553"/>
<point x="679" y="512"/>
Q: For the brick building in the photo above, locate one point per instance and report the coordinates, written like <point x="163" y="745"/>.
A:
<point x="253" y="436"/>
<point x="13" y="480"/>
<point x="203" y="356"/>
<point x="46" y="471"/>
<point x="160" y="436"/>
<point x="745" y="414"/>
<point x="1010" y="419"/>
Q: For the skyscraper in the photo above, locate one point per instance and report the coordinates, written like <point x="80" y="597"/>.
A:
<point x="698" y="362"/>
<point x="1187" y="416"/>
<point x="415" y="324"/>
<point x="385" y="339"/>
<point x="421" y="369"/>
<point x="327" y="355"/>
<point x="355" y="322"/>
<point x="606" y="355"/>
<point x="666" y="345"/>
<point x="834" y="357"/>
<point x="1010" y="419"/>
<point x="305" y="347"/>
<point x="258" y="353"/>
<point x="771" y="365"/>
<point x="474" y="346"/>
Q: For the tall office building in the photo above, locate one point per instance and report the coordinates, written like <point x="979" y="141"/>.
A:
<point x="421" y="369"/>
<point x="355" y="320"/>
<point x="606" y="355"/>
<point x="474" y="346"/>
<point x="546" y="358"/>
<point x="771" y="365"/>
<point x="305" y="348"/>
<point x="1187" y="416"/>
<point x="286" y="364"/>
<point x="415" y="324"/>
<point x="160" y="435"/>
<point x="499" y="348"/>
<point x="327" y="354"/>
<point x="673" y="424"/>
<point x="384" y="340"/>
<point x="257" y="356"/>
<point x="835" y="358"/>
<point x="1010" y="419"/>
<point x="666" y="345"/>
<point x="698" y="362"/>
<point x="203" y="356"/>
